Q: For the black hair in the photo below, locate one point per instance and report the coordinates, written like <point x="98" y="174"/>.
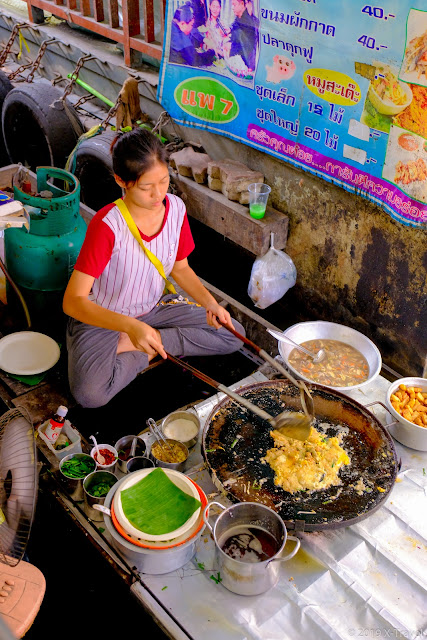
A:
<point x="184" y="14"/>
<point x="219" y="1"/>
<point x="135" y="152"/>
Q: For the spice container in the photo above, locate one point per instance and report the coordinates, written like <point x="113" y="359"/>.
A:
<point x="123" y="447"/>
<point x="183" y="426"/>
<point x="137" y="463"/>
<point x="96" y="487"/>
<point x="110" y="455"/>
<point x="173" y="456"/>
<point x="73" y="469"/>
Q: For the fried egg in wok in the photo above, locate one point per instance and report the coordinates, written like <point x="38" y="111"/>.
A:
<point x="306" y="466"/>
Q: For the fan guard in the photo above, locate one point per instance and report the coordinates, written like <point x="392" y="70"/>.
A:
<point x="18" y="484"/>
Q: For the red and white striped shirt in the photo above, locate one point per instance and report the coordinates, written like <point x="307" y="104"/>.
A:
<point x="126" y="281"/>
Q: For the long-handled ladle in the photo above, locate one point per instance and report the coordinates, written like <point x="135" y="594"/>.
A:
<point x="316" y="357"/>
<point x="306" y="399"/>
<point x="289" y="423"/>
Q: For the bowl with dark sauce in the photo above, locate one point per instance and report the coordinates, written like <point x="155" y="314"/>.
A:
<point x="352" y="359"/>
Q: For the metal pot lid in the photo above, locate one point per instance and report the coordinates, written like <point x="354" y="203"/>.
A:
<point x="236" y="467"/>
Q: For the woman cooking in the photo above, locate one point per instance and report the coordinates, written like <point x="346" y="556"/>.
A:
<point x="120" y="316"/>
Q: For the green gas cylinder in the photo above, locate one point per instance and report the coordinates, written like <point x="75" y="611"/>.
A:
<point x="41" y="260"/>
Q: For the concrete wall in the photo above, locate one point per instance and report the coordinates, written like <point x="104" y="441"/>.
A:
<point x="355" y="264"/>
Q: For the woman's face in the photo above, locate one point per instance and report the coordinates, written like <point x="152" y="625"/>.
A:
<point x="149" y="191"/>
<point x="215" y="9"/>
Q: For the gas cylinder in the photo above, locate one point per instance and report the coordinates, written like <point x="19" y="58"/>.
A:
<point x="41" y="260"/>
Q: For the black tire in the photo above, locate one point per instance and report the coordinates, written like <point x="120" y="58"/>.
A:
<point x="94" y="170"/>
<point x="5" y="87"/>
<point x="37" y="129"/>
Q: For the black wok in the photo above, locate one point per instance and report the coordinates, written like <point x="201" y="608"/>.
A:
<point x="234" y="441"/>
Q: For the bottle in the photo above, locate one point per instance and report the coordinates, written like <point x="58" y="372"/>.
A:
<point x="55" y="424"/>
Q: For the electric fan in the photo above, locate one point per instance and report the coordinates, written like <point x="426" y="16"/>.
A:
<point x="22" y="585"/>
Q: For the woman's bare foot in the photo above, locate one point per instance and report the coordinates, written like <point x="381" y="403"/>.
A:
<point x="125" y="344"/>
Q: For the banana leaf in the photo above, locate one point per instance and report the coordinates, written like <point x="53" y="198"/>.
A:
<point x="155" y="505"/>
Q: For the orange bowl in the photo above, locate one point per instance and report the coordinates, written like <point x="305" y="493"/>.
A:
<point x="149" y="545"/>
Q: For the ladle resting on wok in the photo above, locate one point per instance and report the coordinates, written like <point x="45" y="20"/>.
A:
<point x="234" y="444"/>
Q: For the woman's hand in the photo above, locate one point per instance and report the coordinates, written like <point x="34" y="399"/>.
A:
<point x="215" y="312"/>
<point x="146" y="338"/>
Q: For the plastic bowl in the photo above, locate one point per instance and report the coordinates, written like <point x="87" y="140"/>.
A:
<point x="164" y="544"/>
<point x="404" y="431"/>
<point x="386" y="106"/>
<point x="318" y="329"/>
<point x="180" y="480"/>
<point x="105" y="467"/>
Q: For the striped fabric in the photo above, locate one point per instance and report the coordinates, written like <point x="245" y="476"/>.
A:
<point x="130" y="284"/>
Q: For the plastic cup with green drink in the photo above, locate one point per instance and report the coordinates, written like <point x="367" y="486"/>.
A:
<point x="258" y="196"/>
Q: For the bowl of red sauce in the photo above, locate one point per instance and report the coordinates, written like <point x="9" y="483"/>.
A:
<point x="110" y="454"/>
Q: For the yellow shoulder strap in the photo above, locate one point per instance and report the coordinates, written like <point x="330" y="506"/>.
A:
<point x="135" y="232"/>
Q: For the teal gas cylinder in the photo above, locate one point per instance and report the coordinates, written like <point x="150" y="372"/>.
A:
<point x="41" y="260"/>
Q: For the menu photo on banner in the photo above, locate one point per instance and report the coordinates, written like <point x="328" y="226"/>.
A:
<point x="337" y="88"/>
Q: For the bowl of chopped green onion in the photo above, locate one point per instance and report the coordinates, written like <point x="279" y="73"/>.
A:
<point x="73" y="469"/>
<point x="96" y="486"/>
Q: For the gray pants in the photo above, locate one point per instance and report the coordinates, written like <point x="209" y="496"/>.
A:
<point x="96" y="373"/>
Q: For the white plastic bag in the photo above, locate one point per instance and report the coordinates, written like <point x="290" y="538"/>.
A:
<point x="271" y="277"/>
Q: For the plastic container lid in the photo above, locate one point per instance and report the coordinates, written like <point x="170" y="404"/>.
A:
<point x="62" y="411"/>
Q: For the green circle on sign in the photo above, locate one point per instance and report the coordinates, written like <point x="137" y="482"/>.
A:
<point x="207" y="99"/>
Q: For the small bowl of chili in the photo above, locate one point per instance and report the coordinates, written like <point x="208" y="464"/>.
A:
<point x="110" y="455"/>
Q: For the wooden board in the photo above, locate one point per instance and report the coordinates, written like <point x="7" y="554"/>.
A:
<point x="232" y="219"/>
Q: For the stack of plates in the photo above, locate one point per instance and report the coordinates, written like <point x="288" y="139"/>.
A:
<point x="167" y="540"/>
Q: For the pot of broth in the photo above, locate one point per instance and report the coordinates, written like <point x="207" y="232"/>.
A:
<point x="249" y="542"/>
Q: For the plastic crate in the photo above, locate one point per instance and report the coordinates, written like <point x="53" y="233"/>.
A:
<point x="72" y="434"/>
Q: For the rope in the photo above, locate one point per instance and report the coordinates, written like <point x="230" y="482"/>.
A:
<point x="71" y="160"/>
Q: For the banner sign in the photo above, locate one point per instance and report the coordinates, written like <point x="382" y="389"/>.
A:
<point x="335" y="87"/>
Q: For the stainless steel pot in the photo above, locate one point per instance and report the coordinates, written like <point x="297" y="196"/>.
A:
<point x="152" y="561"/>
<point x="74" y="486"/>
<point x="249" y="579"/>
<point x="89" y="500"/>
<point x="126" y="443"/>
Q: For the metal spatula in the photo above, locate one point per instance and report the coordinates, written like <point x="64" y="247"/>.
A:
<point x="296" y="422"/>
<point x="289" y="423"/>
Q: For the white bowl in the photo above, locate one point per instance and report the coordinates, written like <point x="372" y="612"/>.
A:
<point x="180" y="480"/>
<point x="405" y="432"/>
<point x="386" y="106"/>
<point x="319" y="329"/>
<point x="105" y="467"/>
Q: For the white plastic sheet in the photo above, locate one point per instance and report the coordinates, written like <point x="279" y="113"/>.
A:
<point x="364" y="581"/>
